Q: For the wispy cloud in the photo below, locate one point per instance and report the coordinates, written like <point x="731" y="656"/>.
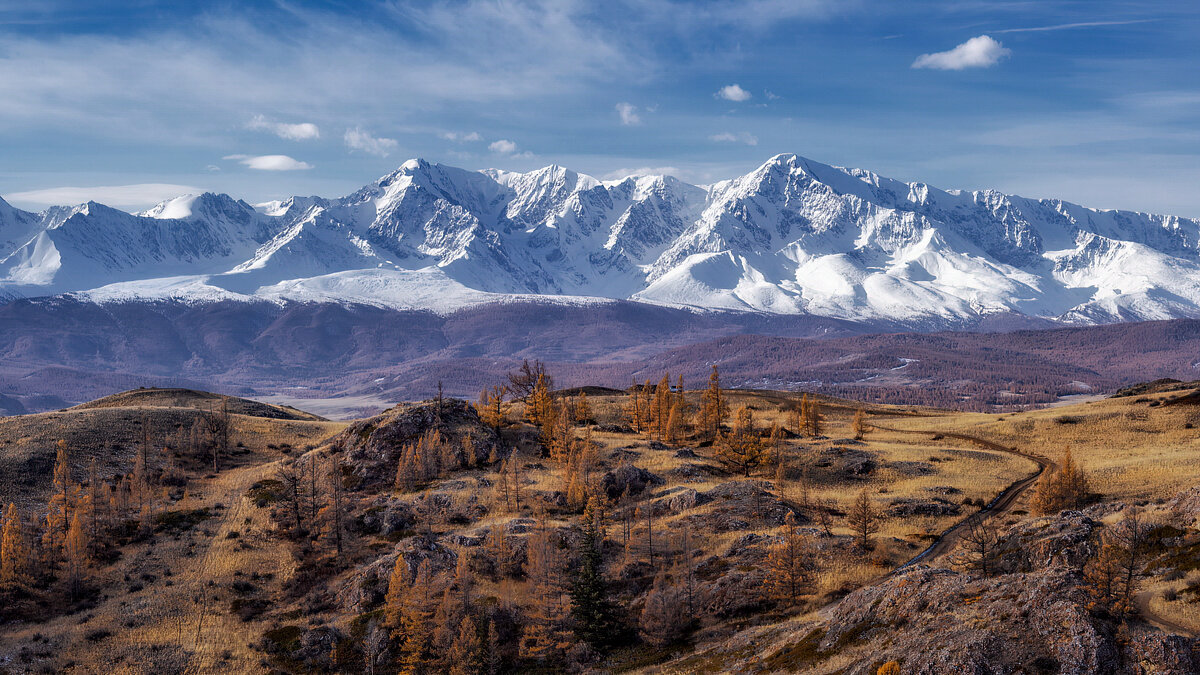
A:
<point x="617" y="174"/>
<point x="978" y="52"/>
<point x="358" y="139"/>
<point x="459" y="137"/>
<point x="302" y="131"/>
<point x="628" y="114"/>
<point x="119" y="196"/>
<point x="226" y="63"/>
<point x="270" y="162"/>
<point x="729" y="137"/>
<point x="1068" y="26"/>
<point x="733" y="92"/>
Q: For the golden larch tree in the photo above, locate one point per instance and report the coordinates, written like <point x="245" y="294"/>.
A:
<point x="14" y="552"/>
<point x="743" y="450"/>
<point x="859" y="424"/>
<point x="583" y="409"/>
<point x="864" y="519"/>
<point x="660" y="408"/>
<point x="61" y="505"/>
<point x="713" y="409"/>
<point x="791" y="565"/>
<point x="492" y="408"/>
<point x="76" y="554"/>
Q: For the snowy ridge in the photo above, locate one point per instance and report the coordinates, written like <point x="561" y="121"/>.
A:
<point x="792" y="237"/>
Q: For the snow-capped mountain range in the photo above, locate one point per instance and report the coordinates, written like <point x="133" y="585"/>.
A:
<point x="792" y="237"/>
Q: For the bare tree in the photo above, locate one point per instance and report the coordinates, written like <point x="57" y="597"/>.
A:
<point x="337" y="504"/>
<point x="525" y="380"/>
<point x="374" y="644"/>
<point x="1112" y="577"/>
<point x="217" y="423"/>
<point x="824" y="516"/>
<point x="291" y="475"/>
<point x="979" y="546"/>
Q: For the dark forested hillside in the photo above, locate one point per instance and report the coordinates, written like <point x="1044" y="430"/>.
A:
<point x="54" y="352"/>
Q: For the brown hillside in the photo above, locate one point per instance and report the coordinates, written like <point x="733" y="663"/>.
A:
<point x="202" y="400"/>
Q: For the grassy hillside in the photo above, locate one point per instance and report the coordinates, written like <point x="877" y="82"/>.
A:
<point x="239" y="569"/>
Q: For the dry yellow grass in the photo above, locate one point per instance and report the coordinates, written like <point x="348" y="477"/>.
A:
<point x="1131" y="451"/>
<point x="179" y="620"/>
<point x="183" y="623"/>
<point x="977" y="474"/>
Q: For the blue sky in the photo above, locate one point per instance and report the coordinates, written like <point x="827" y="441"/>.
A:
<point x="1097" y="102"/>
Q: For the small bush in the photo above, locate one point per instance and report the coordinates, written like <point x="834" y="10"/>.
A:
<point x="283" y="639"/>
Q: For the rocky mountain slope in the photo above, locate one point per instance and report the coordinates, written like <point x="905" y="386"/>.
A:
<point x="792" y="237"/>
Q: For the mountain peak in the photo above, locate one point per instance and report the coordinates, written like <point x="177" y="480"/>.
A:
<point x="792" y="236"/>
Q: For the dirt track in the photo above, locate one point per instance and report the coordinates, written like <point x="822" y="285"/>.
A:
<point x="1142" y="602"/>
<point x="1002" y="503"/>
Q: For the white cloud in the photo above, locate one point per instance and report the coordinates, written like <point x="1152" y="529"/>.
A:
<point x="978" y="52"/>
<point x="733" y="92"/>
<point x="740" y="137"/>
<point x="119" y="196"/>
<point x="303" y="131"/>
<point x="270" y="162"/>
<point x="357" y="139"/>
<point x="459" y="137"/>
<point x="503" y="147"/>
<point x="628" y="113"/>
<point x="222" y="65"/>
<point x="771" y="96"/>
<point x="1068" y="26"/>
<point x="618" y="174"/>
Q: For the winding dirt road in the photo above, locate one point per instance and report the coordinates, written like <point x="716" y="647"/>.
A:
<point x="1001" y="504"/>
<point x="1142" y="602"/>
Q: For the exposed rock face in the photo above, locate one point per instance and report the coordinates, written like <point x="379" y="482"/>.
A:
<point x="1166" y="654"/>
<point x="1033" y="617"/>
<point x="387" y="515"/>
<point x="737" y="504"/>
<point x="941" y="621"/>
<point x="1186" y="505"/>
<point x="1064" y="540"/>
<point x="905" y="508"/>
<point x="847" y="462"/>
<point x="628" y="479"/>
<point x="678" y="500"/>
<point x="373" y="446"/>
<point x="366" y="588"/>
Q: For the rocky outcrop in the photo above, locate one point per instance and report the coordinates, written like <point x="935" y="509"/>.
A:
<point x="940" y="621"/>
<point x="628" y="480"/>
<point x="736" y="505"/>
<point x="1033" y="617"/>
<point x="1186" y="506"/>
<point x="366" y="587"/>
<point x="906" y="508"/>
<point x="372" y="447"/>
